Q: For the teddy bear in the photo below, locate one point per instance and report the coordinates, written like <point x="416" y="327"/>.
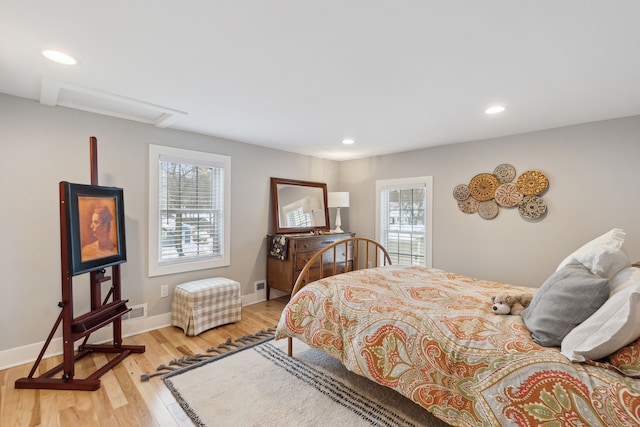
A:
<point x="510" y="303"/>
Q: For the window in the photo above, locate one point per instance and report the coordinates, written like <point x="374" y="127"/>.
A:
<point x="403" y="219"/>
<point x="298" y="218"/>
<point x="296" y="214"/>
<point x="189" y="210"/>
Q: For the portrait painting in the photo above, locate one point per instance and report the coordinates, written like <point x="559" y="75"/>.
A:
<point x="95" y="227"/>
<point x="98" y="228"/>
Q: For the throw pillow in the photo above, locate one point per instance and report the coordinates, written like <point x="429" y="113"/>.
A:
<point x="611" y="327"/>
<point x="603" y="255"/>
<point x="566" y="299"/>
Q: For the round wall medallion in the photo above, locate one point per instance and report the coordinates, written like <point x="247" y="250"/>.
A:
<point x="483" y="186"/>
<point x="461" y="192"/>
<point x="532" y="207"/>
<point x="508" y="195"/>
<point x="532" y="183"/>
<point x="488" y="209"/>
<point x="469" y="205"/>
<point x="504" y="173"/>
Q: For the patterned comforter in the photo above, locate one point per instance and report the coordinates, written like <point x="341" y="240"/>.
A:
<point x="431" y="335"/>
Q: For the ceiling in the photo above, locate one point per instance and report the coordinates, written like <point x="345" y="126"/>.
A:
<point x="301" y="76"/>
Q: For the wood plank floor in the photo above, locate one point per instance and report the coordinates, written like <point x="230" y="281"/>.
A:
<point x="122" y="399"/>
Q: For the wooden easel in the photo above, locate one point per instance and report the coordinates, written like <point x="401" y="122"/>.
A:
<point x="102" y="314"/>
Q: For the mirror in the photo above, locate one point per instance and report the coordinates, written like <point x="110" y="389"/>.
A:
<point x="299" y="206"/>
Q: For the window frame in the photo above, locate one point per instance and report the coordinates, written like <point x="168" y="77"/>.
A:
<point x="191" y="157"/>
<point x="425" y="182"/>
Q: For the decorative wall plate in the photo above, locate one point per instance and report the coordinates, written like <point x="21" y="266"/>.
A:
<point x="483" y="186"/>
<point x="469" y="205"/>
<point x="532" y="183"/>
<point x="504" y="173"/>
<point x="508" y="195"/>
<point x="488" y="209"/>
<point x="461" y="192"/>
<point x="532" y="207"/>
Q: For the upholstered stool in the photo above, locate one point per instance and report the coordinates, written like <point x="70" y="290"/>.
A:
<point x="205" y="304"/>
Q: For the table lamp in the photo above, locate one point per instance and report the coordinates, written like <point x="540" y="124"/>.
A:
<point x="339" y="199"/>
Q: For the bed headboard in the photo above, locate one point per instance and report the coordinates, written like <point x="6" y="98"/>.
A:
<point x="360" y="253"/>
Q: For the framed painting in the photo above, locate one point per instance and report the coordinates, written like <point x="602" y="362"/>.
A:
<point x="94" y="226"/>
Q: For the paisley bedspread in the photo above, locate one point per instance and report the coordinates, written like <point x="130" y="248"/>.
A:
<point x="431" y="336"/>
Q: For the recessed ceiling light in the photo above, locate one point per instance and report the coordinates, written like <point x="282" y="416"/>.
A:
<point x="495" y="109"/>
<point x="348" y="141"/>
<point x="59" y="57"/>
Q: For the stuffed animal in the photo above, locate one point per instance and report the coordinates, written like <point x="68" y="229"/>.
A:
<point x="510" y="303"/>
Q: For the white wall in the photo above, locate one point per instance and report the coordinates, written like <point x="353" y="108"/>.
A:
<point x="593" y="173"/>
<point x="42" y="146"/>
<point x="592" y="170"/>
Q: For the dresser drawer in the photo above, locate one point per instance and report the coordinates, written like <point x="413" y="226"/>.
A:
<point x="303" y="257"/>
<point x="282" y="273"/>
<point x="315" y="244"/>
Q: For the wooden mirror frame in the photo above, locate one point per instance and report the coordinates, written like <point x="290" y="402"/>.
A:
<point x="277" y="208"/>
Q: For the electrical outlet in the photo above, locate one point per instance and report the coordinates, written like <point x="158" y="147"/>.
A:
<point x="164" y="291"/>
<point x="260" y="285"/>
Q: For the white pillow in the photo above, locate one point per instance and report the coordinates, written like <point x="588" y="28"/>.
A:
<point x="623" y="279"/>
<point x="603" y="255"/>
<point x="611" y="327"/>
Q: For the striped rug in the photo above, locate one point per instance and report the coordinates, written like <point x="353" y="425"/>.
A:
<point x="261" y="386"/>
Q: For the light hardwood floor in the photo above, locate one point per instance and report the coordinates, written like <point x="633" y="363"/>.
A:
<point x="122" y="399"/>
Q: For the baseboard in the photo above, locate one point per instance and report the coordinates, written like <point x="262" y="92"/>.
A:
<point x="277" y="294"/>
<point x="261" y="296"/>
<point x="254" y="298"/>
<point x="29" y="353"/>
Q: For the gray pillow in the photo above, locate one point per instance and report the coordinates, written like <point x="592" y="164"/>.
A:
<point x="564" y="300"/>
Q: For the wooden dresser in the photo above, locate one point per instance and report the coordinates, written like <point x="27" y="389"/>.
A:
<point x="282" y="274"/>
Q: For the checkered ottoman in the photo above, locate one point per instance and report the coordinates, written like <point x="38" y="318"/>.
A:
<point x="205" y="304"/>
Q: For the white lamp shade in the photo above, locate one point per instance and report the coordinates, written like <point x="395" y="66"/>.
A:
<point x="339" y="199"/>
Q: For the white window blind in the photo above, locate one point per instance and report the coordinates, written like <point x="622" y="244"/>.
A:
<point x="403" y="219"/>
<point x="297" y="214"/>
<point x="298" y="218"/>
<point x="191" y="210"/>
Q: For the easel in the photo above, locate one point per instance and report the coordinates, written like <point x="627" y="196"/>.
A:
<point x="102" y="314"/>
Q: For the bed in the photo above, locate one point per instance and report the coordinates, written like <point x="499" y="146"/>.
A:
<point x="431" y="335"/>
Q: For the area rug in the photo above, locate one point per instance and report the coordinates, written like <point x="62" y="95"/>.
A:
<point x="259" y="385"/>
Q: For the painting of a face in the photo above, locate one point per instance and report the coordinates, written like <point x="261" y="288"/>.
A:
<point x="98" y="237"/>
